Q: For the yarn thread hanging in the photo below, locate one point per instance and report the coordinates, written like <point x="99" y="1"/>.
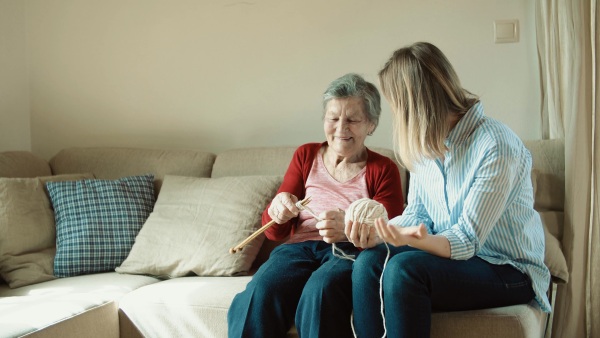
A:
<point x="366" y="211"/>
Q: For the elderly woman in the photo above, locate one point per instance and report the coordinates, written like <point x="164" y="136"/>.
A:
<point x="303" y="282"/>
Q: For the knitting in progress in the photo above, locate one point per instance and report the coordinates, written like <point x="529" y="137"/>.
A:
<point x="257" y="233"/>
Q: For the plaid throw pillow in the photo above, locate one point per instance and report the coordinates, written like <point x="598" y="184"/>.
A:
<point x="97" y="221"/>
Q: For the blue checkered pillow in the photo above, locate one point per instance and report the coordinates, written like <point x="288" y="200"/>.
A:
<point x="97" y="221"/>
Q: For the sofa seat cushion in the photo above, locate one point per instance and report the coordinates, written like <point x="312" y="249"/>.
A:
<point x="110" y="285"/>
<point x="24" y="315"/>
<point x="39" y="306"/>
<point x="197" y="307"/>
<point x="517" y="321"/>
<point x="183" y="307"/>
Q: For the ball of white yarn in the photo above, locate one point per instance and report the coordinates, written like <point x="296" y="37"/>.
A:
<point x="365" y="211"/>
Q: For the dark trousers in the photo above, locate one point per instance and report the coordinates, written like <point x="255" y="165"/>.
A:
<point x="301" y="283"/>
<point x="416" y="283"/>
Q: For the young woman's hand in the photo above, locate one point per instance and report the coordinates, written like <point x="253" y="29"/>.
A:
<point x="415" y="236"/>
<point x="399" y="236"/>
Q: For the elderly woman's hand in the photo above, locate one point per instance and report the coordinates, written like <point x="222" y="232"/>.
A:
<point x="331" y="226"/>
<point x="283" y="207"/>
<point x="362" y="235"/>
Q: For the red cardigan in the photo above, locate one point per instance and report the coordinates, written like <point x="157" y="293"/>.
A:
<point x="382" y="176"/>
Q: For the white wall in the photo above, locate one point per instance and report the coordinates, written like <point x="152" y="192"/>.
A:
<point x="14" y="91"/>
<point x="219" y="74"/>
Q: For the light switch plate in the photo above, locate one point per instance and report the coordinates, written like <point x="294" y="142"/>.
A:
<point x="506" y="31"/>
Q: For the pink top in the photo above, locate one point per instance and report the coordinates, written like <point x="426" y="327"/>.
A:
<point x="326" y="194"/>
<point x="381" y="176"/>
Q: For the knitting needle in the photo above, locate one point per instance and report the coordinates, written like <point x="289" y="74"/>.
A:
<point x="305" y="207"/>
<point x="240" y="246"/>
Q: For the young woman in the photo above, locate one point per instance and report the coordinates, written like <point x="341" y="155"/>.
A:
<point x="469" y="237"/>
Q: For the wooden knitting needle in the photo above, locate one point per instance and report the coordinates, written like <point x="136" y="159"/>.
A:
<point x="242" y="244"/>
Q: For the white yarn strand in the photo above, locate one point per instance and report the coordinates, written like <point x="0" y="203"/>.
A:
<point x="366" y="211"/>
<point x="334" y="248"/>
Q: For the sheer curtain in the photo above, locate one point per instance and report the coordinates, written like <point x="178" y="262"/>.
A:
<point x="567" y="35"/>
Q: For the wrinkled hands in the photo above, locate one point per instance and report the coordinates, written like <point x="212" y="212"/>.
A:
<point x="283" y="207"/>
<point x="362" y="235"/>
<point x="330" y="223"/>
<point x="331" y="226"/>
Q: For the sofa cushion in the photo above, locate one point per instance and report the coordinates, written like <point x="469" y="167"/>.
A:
<point x="97" y="221"/>
<point x="27" y="229"/>
<point x="517" y="321"/>
<point x="548" y="173"/>
<point x="257" y="161"/>
<point x="194" y="223"/>
<point x="82" y="306"/>
<point x="274" y="161"/>
<point x="554" y="258"/>
<point x="65" y="316"/>
<point x="164" y="309"/>
<point x="23" y="164"/>
<point x="548" y="188"/>
<point x="112" y="163"/>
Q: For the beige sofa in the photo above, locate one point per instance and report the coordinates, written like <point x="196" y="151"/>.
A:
<point x="112" y="304"/>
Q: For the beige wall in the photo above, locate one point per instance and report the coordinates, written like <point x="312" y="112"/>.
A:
<point x="14" y="90"/>
<point x="217" y="74"/>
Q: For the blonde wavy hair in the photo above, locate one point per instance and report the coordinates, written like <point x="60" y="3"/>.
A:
<point x="424" y="92"/>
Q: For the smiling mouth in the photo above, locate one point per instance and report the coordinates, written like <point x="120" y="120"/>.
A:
<point x="344" y="138"/>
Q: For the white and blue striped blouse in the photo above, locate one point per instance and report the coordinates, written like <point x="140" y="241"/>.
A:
<point x="480" y="197"/>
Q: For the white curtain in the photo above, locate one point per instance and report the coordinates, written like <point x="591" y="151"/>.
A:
<point x="567" y="35"/>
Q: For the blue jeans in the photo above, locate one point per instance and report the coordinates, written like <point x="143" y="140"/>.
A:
<point x="416" y="283"/>
<point x="302" y="281"/>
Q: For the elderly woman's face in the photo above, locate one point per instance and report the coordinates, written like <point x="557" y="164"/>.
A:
<point x="346" y="125"/>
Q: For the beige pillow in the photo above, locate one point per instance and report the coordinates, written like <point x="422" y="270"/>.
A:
<point x="554" y="257"/>
<point x="194" y="223"/>
<point x="549" y="191"/>
<point x="27" y="229"/>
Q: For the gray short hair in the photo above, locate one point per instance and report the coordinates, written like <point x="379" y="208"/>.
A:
<point x="353" y="85"/>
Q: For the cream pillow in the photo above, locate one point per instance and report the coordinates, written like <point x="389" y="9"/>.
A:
<point x="548" y="192"/>
<point x="194" y="223"/>
<point x="554" y="257"/>
<point x="27" y="229"/>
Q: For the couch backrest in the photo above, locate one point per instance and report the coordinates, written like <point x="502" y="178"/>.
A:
<point x="273" y="161"/>
<point x="113" y="163"/>
<point x="548" y="173"/>
<point x="23" y="164"/>
<point x="548" y="178"/>
<point x="253" y="161"/>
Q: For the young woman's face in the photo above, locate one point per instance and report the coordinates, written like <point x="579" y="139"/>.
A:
<point x="346" y="125"/>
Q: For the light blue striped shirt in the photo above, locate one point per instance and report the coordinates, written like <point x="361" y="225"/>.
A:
<point x="480" y="197"/>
